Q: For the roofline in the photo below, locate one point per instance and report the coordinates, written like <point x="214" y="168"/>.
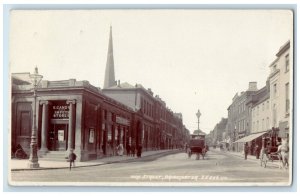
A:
<point x="283" y="48"/>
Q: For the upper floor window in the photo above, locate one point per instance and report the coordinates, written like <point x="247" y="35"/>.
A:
<point x="257" y="110"/>
<point x="275" y="89"/>
<point x="287" y="62"/>
<point x="274" y="67"/>
<point x="263" y="106"/>
<point x="287" y="98"/>
<point x="267" y="105"/>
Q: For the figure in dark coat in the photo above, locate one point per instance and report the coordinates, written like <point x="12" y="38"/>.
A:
<point x="72" y="158"/>
<point x="139" y="151"/>
<point x="256" y="151"/>
<point x="246" y="150"/>
<point x="128" y="148"/>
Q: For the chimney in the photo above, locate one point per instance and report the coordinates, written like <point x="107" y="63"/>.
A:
<point x="252" y="86"/>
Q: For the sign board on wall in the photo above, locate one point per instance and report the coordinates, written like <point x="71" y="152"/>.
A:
<point x="60" y="111"/>
<point x="122" y="121"/>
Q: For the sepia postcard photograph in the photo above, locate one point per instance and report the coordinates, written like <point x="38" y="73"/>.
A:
<point x="151" y="97"/>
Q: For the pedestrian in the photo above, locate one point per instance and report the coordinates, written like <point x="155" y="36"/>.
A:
<point x="256" y="151"/>
<point x="139" y="151"/>
<point x="132" y="150"/>
<point x="283" y="152"/>
<point x="103" y="149"/>
<point x="120" y="149"/>
<point x="128" y="147"/>
<point x="246" y="150"/>
<point x="72" y="158"/>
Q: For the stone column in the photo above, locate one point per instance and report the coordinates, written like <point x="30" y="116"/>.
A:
<point x="71" y="143"/>
<point x="44" y="148"/>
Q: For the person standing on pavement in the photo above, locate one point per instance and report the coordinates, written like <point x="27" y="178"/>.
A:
<point x="256" y="151"/>
<point x="128" y="148"/>
<point x="72" y="158"/>
<point x="246" y="150"/>
<point x="139" y="151"/>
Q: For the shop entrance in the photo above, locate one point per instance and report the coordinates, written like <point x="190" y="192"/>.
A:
<point x="58" y="137"/>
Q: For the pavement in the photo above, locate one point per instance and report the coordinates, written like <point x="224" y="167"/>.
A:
<point x="21" y="164"/>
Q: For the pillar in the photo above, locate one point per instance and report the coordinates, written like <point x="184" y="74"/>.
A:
<point x="45" y="111"/>
<point x="71" y="134"/>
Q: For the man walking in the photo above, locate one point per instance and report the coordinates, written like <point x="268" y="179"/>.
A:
<point x="72" y="158"/>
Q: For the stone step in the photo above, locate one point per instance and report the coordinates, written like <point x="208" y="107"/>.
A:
<point x="54" y="156"/>
<point x="52" y="159"/>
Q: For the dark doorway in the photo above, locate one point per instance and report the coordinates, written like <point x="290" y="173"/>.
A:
<point x="58" y="137"/>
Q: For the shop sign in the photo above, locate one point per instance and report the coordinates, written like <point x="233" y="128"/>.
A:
<point x="122" y="121"/>
<point x="60" y="111"/>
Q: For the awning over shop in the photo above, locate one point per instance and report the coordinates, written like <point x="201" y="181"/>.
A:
<point x="250" y="137"/>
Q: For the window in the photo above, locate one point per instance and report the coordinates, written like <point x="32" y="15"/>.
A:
<point x="267" y="105"/>
<point x="253" y="112"/>
<point x="275" y="90"/>
<point x="263" y="124"/>
<point x="263" y="106"/>
<point x="267" y="123"/>
<point x="253" y="128"/>
<point x="257" y="110"/>
<point x="257" y="125"/>
<point x="287" y="98"/>
<point x="287" y="63"/>
<point x="274" y="115"/>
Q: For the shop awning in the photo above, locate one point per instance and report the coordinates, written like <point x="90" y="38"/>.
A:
<point x="250" y="137"/>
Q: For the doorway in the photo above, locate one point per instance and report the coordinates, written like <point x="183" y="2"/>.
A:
<point x="58" y="137"/>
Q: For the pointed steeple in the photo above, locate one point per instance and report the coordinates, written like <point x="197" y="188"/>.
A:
<point x="109" y="78"/>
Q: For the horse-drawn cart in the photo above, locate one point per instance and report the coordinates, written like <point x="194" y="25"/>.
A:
<point x="268" y="155"/>
<point x="197" y="146"/>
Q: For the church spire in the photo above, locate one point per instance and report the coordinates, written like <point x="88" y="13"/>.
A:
<point x="109" y="78"/>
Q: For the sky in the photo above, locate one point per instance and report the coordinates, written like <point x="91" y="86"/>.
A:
<point x="193" y="59"/>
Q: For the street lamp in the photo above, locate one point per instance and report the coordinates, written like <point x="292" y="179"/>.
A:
<point x="198" y="114"/>
<point x="33" y="159"/>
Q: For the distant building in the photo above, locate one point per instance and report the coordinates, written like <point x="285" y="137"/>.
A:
<point x="260" y="110"/>
<point x="217" y="133"/>
<point x="239" y="116"/>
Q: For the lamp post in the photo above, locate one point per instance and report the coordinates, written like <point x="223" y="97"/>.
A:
<point x="33" y="159"/>
<point x="198" y="114"/>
